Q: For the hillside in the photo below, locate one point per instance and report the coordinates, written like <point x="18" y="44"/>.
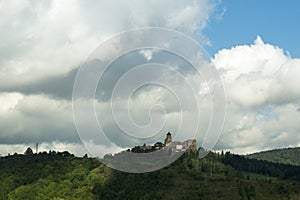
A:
<point x="289" y="156"/>
<point x="57" y="175"/>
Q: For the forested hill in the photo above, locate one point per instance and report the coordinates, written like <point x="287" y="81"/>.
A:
<point x="289" y="156"/>
<point x="56" y="175"/>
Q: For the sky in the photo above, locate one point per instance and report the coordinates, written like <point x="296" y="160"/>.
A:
<point x="253" y="45"/>
<point x="276" y="22"/>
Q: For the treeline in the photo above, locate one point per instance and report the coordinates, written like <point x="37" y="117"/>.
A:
<point x="46" y="175"/>
<point x="242" y="163"/>
<point x="284" y="156"/>
<point x="60" y="175"/>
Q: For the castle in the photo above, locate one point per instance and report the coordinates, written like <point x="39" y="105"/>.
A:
<point x="187" y="146"/>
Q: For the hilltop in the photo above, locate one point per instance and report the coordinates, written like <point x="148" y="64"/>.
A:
<point x="56" y="175"/>
<point x="285" y="156"/>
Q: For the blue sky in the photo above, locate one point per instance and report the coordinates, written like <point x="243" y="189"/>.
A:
<point x="277" y="22"/>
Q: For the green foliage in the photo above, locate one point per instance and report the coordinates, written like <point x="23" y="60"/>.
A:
<point x="241" y="163"/>
<point x="56" y="175"/>
<point x="288" y="156"/>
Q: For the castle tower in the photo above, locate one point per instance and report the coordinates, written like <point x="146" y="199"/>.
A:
<point x="168" y="139"/>
<point x="192" y="146"/>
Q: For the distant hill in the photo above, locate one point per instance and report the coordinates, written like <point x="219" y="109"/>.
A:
<point x="290" y="156"/>
<point x="56" y="175"/>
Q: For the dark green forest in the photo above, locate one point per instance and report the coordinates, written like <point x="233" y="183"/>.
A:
<point x="284" y="156"/>
<point x="61" y="175"/>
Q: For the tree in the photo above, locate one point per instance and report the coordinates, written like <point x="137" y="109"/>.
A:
<point x="242" y="191"/>
<point x="28" y="151"/>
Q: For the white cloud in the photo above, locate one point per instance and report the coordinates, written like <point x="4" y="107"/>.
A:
<point x="9" y="101"/>
<point x="259" y="74"/>
<point x="263" y="97"/>
<point x="25" y="119"/>
<point x="49" y="39"/>
<point x="259" y="57"/>
<point x="263" y="106"/>
<point x="44" y="39"/>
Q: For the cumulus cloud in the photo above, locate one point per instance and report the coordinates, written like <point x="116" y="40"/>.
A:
<point x="259" y="74"/>
<point x="143" y="110"/>
<point x="45" y="42"/>
<point x="263" y="96"/>
<point x="25" y="119"/>
<point x="46" y="39"/>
